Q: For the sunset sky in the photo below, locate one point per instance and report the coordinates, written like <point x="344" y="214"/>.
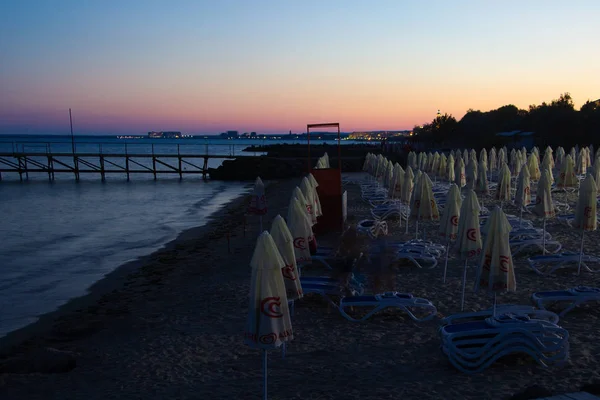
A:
<point x="205" y="66"/>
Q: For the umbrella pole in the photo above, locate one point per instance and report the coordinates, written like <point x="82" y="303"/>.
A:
<point x="462" y="301"/>
<point x="406" y="222"/>
<point x="544" y="236"/>
<point x="417" y="228"/>
<point x="446" y="263"/>
<point x="283" y="350"/>
<point x="261" y="224"/>
<point x="400" y="214"/>
<point x="494" y="310"/>
<point x="520" y="217"/>
<point x="265" y="374"/>
<point x="580" y="253"/>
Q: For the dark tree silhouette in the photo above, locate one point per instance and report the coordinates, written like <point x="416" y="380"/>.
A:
<point x="555" y="123"/>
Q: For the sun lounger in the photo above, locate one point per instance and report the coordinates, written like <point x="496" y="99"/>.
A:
<point x="547" y="264"/>
<point x="415" y="255"/>
<point x="404" y="301"/>
<point x="572" y="297"/>
<point x="388" y="210"/>
<point x="422" y="245"/>
<point x="528" y="311"/>
<point x="472" y="347"/>
<point x="355" y="284"/>
<point x="519" y="245"/>
<point x="372" y="228"/>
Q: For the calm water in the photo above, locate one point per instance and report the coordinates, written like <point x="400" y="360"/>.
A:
<point x="57" y="239"/>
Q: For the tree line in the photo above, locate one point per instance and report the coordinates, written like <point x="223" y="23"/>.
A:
<point x="557" y="123"/>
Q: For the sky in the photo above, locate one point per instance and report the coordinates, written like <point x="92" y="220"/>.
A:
<point x="270" y="66"/>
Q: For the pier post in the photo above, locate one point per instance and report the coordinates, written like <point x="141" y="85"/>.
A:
<point x="49" y="168"/>
<point x="76" y="167"/>
<point x="102" y="168"/>
<point x="26" y="168"/>
<point x="126" y="162"/>
<point x="153" y="162"/>
<point x="51" y="164"/>
<point x="205" y="168"/>
<point x="179" y="158"/>
<point x="20" y="168"/>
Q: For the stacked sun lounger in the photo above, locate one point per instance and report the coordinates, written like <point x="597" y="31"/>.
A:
<point x="474" y="342"/>
<point x="569" y="299"/>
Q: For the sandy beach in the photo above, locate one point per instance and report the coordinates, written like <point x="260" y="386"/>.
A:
<point x="171" y="325"/>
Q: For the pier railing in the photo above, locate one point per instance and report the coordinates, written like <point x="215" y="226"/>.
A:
<point x="104" y="158"/>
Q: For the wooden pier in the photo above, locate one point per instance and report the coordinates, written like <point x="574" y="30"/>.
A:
<point x="94" y="163"/>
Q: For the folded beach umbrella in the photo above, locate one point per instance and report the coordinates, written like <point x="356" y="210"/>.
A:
<point x="309" y="196"/>
<point x="573" y="153"/>
<point x="501" y="157"/>
<point x="492" y="161"/>
<point x="450" y="168"/>
<point x="523" y="193"/>
<point x="430" y="158"/>
<point x="468" y="240"/>
<point x="567" y="177"/>
<point x="536" y="152"/>
<point x="503" y="188"/>
<point x="301" y="230"/>
<point x="449" y="219"/>
<point x="560" y="157"/>
<point x="496" y="272"/>
<point x="519" y="162"/>
<point x="534" y="167"/>
<point x="459" y="174"/>
<point x="415" y="200"/>
<point x="308" y="212"/>
<point x="474" y="161"/>
<point x="268" y="323"/>
<point x="395" y="190"/>
<point x="465" y="156"/>
<point x="436" y="164"/>
<point x="407" y="186"/>
<point x="423" y="206"/>
<point x="596" y="170"/>
<point x="550" y="155"/>
<point x="588" y="158"/>
<point x="285" y="244"/>
<point x="585" y="211"/>
<point x="581" y="162"/>
<point x="442" y="166"/>
<point x="544" y="207"/>
<point x="412" y="160"/>
<point x="326" y="158"/>
<point x="547" y="165"/>
<point x="473" y="155"/>
<point x="591" y="152"/>
<point x="514" y="162"/>
<point x="390" y="174"/>
<point x="258" y="200"/>
<point x="482" y="187"/>
<point x="471" y="175"/>
<point x="317" y="202"/>
<point x="483" y="157"/>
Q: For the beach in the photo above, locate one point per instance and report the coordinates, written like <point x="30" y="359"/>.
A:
<point x="170" y="325"/>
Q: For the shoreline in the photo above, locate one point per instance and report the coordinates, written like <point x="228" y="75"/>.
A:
<point x="12" y="342"/>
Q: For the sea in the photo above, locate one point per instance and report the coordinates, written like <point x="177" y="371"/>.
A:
<point x="57" y="238"/>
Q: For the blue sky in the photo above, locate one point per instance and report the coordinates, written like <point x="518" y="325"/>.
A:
<point x="270" y="66"/>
